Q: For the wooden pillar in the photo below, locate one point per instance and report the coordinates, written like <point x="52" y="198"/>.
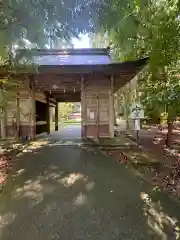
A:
<point x="32" y="120"/>
<point x="83" y="109"/>
<point x="97" y="114"/>
<point x="48" y="123"/>
<point x="18" y="115"/>
<point x="56" y="117"/>
<point x="111" y="108"/>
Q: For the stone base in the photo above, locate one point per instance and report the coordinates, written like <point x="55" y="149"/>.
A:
<point x="92" y="131"/>
<point x="104" y="130"/>
<point x="29" y="131"/>
<point x="83" y="131"/>
<point x="24" y="131"/>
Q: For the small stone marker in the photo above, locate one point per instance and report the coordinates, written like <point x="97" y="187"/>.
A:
<point x="137" y="113"/>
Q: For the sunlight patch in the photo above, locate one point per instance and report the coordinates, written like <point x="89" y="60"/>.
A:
<point x="20" y="171"/>
<point x="127" y="144"/>
<point x="81" y="199"/>
<point x="32" y="190"/>
<point x="54" y="176"/>
<point x="163" y="226"/>
<point x="35" y="145"/>
<point x="69" y="180"/>
<point x="6" y="219"/>
<point x="65" y="143"/>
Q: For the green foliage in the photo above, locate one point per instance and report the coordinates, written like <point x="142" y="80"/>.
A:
<point x="148" y="28"/>
<point x="38" y="21"/>
<point x="65" y="109"/>
<point x="8" y="90"/>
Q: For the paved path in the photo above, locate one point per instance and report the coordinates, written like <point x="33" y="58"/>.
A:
<point x="69" y="132"/>
<point x="72" y="193"/>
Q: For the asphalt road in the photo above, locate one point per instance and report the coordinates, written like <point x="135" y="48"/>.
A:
<point x="73" y="193"/>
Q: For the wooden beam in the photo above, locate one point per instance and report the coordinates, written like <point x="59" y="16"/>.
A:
<point x="57" y="117"/>
<point x="52" y="100"/>
<point x="52" y="104"/>
<point x="48" y="129"/>
<point x="98" y="112"/>
<point x="40" y="96"/>
<point x="68" y="98"/>
<point x="83" y="108"/>
<point x="62" y="94"/>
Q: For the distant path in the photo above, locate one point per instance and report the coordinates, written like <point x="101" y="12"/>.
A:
<point x="71" y="131"/>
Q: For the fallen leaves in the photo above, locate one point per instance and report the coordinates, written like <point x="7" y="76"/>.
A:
<point x="118" y="156"/>
<point x="4" y="167"/>
<point x="169" y="179"/>
<point x="166" y="177"/>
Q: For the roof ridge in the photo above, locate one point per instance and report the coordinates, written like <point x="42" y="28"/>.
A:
<point x="69" y="51"/>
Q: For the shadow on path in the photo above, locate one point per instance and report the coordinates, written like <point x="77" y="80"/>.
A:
<point x="68" y="192"/>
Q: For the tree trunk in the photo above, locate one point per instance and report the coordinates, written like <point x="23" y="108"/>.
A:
<point x="169" y="112"/>
<point x="3" y="124"/>
<point x="169" y="133"/>
<point x="126" y="110"/>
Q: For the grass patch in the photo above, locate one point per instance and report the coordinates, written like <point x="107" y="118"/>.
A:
<point x="71" y="122"/>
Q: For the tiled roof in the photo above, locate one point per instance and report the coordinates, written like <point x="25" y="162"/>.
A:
<point x="71" y="60"/>
<point x="66" y="56"/>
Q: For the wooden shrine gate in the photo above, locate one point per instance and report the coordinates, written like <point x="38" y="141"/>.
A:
<point x="72" y="75"/>
<point x="97" y="108"/>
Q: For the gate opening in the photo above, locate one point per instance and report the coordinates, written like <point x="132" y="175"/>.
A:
<point x="41" y="122"/>
<point x="70" y="118"/>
